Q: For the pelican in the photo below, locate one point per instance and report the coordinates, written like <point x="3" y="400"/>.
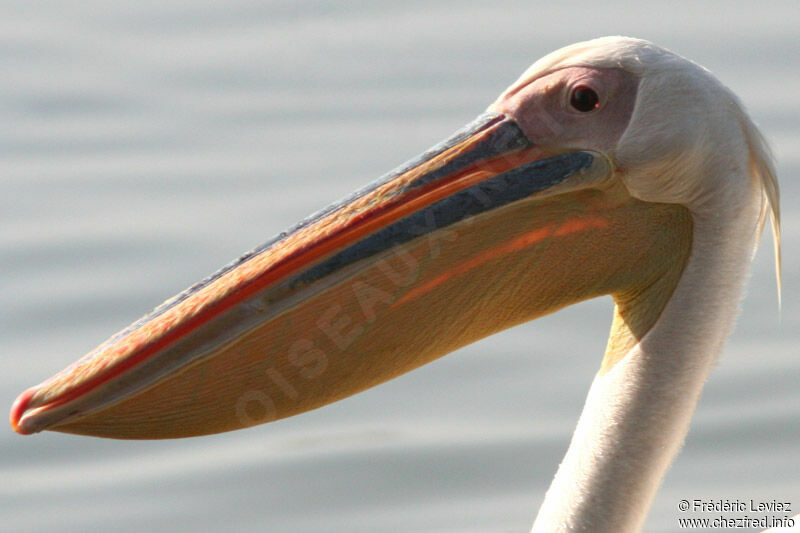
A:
<point x="610" y="167"/>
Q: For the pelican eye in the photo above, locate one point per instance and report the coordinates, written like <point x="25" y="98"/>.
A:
<point x="584" y="99"/>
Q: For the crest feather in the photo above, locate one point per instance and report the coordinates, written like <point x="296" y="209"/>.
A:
<point x="763" y="169"/>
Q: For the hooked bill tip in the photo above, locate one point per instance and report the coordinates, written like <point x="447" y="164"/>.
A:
<point x="18" y="409"/>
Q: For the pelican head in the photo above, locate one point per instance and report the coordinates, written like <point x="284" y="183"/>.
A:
<point x="611" y="166"/>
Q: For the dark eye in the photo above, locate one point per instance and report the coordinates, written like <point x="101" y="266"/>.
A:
<point x="584" y="99"/>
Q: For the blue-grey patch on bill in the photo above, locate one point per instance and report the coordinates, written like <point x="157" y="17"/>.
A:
<point x="500" y="190"/>
<point x="506" y="137"/>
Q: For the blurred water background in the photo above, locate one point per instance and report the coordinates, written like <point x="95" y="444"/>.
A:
<point x="144" y="144"/>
